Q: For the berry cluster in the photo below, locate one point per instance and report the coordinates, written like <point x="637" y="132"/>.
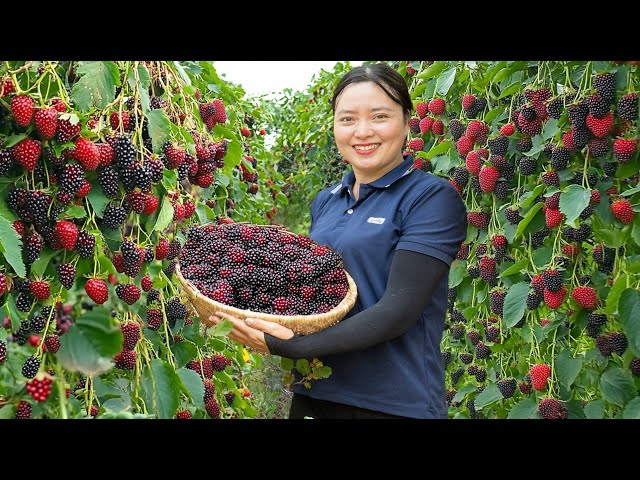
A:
<point x="263" y="269"/>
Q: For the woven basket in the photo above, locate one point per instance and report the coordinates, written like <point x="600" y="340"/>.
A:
<point x="302" y="324"/>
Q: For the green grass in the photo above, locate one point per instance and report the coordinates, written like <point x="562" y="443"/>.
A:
<point x="270" y="396"/>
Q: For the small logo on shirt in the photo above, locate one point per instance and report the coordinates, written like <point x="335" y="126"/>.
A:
<point x="376" y="220"/>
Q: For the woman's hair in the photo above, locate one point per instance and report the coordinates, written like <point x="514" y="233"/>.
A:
<point x="382" y="75"/>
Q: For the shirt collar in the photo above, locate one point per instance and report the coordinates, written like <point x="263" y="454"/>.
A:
<point x="386" y="180"/>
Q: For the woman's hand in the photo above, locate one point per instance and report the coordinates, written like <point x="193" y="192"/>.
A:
<point x="250" y="331"/>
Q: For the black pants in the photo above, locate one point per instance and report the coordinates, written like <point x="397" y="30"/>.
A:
<point x="306" y="406"/>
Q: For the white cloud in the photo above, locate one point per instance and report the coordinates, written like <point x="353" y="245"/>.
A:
<point x="266" y="77"/>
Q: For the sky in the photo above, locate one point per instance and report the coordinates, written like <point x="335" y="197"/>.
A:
<point x="265" y="77"/>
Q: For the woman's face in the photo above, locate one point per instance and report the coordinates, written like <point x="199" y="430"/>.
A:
<point x="370" y="130"/>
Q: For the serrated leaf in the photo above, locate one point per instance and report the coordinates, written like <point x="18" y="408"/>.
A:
<point x="567" y="368"/>
<point x="524" y="409"/>
<point x="457" y="273"/>
<point x="615" y="237"/>
<point x="40" y="265"/>
<point x="286" y="364"/>
<point x="632" y="410"/>
<point x="11" y="246"/>
<point x="501" y="75"/>
<point x="617" y="386"/>
<point x="302" y="365"/>
<point x="221" y="329"/>
<point x="98" y="201"/>
<point x="184" y="352"/>
<point x="515" y="303"/>
<point x="161" y="387"/>
<point x="445" y="80"/>
<point x="550" y="128"/>
<point x="182" y="73"/>
<point x="432" y="70"/>
<point x="91" y="343"/>
<point x="159" y="128"/>
<point x="488" y="396"/>
<point x="222" y="179"/>
<point x="530" y="197"/>
<point x="527" y="218"/>
<point x="459" y="396"/>
<point x="97" y="84"/>
<point x="194" y="385"/>
<point x="629" y="316"/>
<point x="438" y="149"/>
<point x="515" y="268"/>
<point x="542" y="256"/>
<point x="12" y="140"/>
<point x="614" y="293"/>
<point x="573" y="201"/>
<point x="322" y="372"/>
<point x="76" y="211"/>
<point x="594" y="410"/>
<point x="165" y="216"/>
<point x="8" y="411"/>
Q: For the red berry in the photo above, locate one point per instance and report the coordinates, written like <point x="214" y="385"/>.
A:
<point x="34" y="340"/>
<point x="554" y="299"/>
<point x="87" y="153"/>
<point x="97" y="290"/>
<point x="508" y="129"/>
<point x="586" y="297"/>
<point x="67" y="234"/>
<point x="539" y="373"/>
<point x="22" y="107"/>
<point x="623" y="211"/>
<point x="27" y="153"/>
<point x="437" y="106"/>
<point x="46" y="120"/>
<point x="146" y="283"/>
<point x="40" y="289"/>
<point x="421" y="109"/>
<point x="488" y="178"/>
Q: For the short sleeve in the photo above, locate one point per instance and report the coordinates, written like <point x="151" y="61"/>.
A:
<point x="436" y="223"/>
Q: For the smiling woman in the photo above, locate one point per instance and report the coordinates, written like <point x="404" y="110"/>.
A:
<point x="265" y="77"/>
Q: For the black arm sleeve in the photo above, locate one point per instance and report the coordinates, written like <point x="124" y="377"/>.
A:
<point x="412" y="280"/>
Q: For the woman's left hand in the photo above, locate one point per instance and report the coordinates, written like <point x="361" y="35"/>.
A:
<point x="250" y="331"/>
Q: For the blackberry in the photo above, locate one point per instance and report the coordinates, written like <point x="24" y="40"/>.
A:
<point x="85" y="244"/>
<point x="142" y="177"/>
<point x="33" y="247"/>
<point x="628" y="107"/>
<point x="108" y="179"/>
<point x="507" y="387"/>
<point x="555" y="107"/>
<point x="533" y="300"/>
<point x="450" y="396"/>
<point x="513" y="215"/>
<point x="6" y="161"/>
<point x="598" y="147"/>
<point x="475" y="184"/>
<point x="175" y="311"/>
<point x="592" y="180"/>
<point x="149" y="254"/>
<point x="493" y="334"/>
<point x="548" y="148"/>
<point x="581" y="137"/>
<point x="124" y="150"/>
<point x="114" y="216"/>
<point x="603" y="345"/>
<point x="66" y="274"/>
<point x="30" y="367"/>
<point x="37" y="323"/>
<point x="537" y="238"/>
<point x="610" y="168"/>
<point x="24" y="302"/>
<point x="508" y="171"/>
<point x="16" y="198"/>
<point x="174" y="249"/>
<point x="474" y="337"/>
<point x="457" y="128"/>
<point x="562" y="261"/>
<point x="498" y="145"/>
<point x="3" y="352"/>
<point x="457" y="316"/>
<point x="153" y="295"/>
<point x="496" y="301"/>
<point x="481" y="375"/>
<point x="578" y="113"/>
<point x="605" y="85"/>
<point x="552" y="409"/>
<point x="634" y="366"/>
<point x="584" y="279"/>
<point x="618" y="343"/>
<point x="482" y="351"/>
<point x="466" y="358"/>
<point x="24" y="410"/>
<point x="501" y="190"/>
<point x="473" y="271"/>
<point x="595" y="323"/>
<point x="552" y="280"/>
<point x="170" y="268"/>
<point x="230" y="397"/>
<point x="127" y="177"/>
<point x="155" y="168"/>
<point x="586" y="213"/>
<point x="598" y="107"/>
<point x="524" y="145"/>
<point x="455" y="375"/>
<point x="560" y="158"/>
<point x="71" y="178"/>
<point x="528" y="113"/>
<point x="461" y="176"/>
<point x="457" y="331"/>
<point x="527" y="165"/>
<point x="446" y="358"/>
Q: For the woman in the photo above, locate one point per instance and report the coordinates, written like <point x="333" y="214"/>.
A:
<point x="397" y="230"/>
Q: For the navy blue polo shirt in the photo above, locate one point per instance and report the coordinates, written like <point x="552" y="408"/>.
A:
<point x="405" y="209"/>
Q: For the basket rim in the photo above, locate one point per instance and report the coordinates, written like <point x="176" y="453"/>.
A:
<point x="336" y="313"/>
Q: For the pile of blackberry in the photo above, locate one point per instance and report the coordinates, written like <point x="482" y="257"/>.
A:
<point x="263" y="269"/>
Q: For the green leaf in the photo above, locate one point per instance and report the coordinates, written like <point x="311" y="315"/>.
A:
<point x="165" y="217"/>
<point x="594" y="410"/>
<point x="542" y="256"/>
<point x="629" y="315"/>
<point x="631" y="191"/>
<point x="184" y="352"/>
<point x="459" y="396"/>
<point x="636" y="234"/>
<point x="119" y="404"/>
<point x="617" y="386"/>
<point x="573" y="201"/>
<point x="98" y="201"/>
<point x="632" y="410"/>
<point x="159" y="128"/>
<point x="527" y="218"/>
<point x="40" y="265"/>
<point x="432" y="70"/>
<point x="91" y="343"/>
<point x="532" y="196"/>
<point x="193" y="383"/>
<point x="321" y="372"/>
<point x="550" y="128"/>
<point x="438" y="149"/>
<point x="445" y="80"/>
<point x="182" y="73"/>
<point x="628" y="169"/>
<point x="76" y="211"/>
<point x="161" y="386"/>
<point x="8" y="411"/>
<point x="419" y="90"/>
<point x="12" y="140"/>
<point x="11" y="246"/>
<point x="615" y="237"/>
<point x="222" y="179"/>
<point x="501" y="75"/>
<point x="221" y="329"/>
<point x="489" y="395"/>
<point x="511" y="89"/>
<point x="515" y="303"/>
<point x="525" y="409"/>
<point x="457" y="273"/>
<point x="614" y="293"/>
<point x="515" y="268"/>
<point x="633" y="265"/>
<point x="97" y="84"/>
<point x="302" y="365"/>
<point x="286" y="364"/>
<point x="567" y="368"/>
<point x="493" y="114"/>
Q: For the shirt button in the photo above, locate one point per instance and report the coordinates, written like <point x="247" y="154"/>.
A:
<point x="350" y="211"/>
